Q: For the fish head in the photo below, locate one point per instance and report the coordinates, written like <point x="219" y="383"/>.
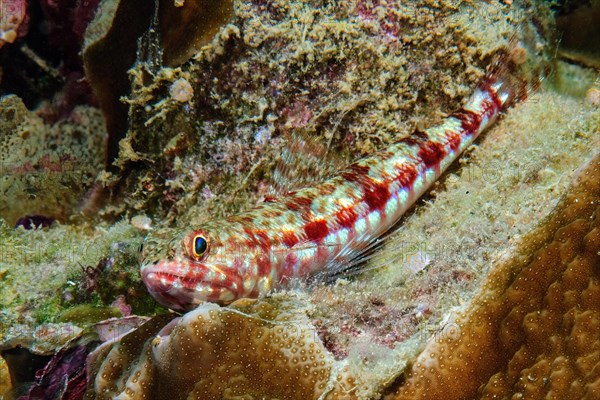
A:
<point x="184" y="270"/>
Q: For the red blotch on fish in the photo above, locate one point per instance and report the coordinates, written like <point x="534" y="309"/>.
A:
<point x="356" y="172"/>
<point x="406" y="175"/>
<point x="431" y="153"/>
<point x="316" y="230"/>
<point x="289" y="239"/>
<point x="376" y="196"/>
<point x="298" y="203"/>
<point x="454" y="140"/>
<point x="346" y="217"/>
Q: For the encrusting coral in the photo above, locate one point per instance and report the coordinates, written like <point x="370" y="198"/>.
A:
<point x="533" y="331"/>
<point x="252" y="349"/>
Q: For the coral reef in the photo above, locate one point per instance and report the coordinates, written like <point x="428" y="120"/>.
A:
<point x="201" y="140"/>
<point x="533" y="330"/>
<point x="46" y="170"/>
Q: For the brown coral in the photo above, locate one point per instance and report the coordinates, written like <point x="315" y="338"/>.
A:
<point x="250" y="349"/>
<point x="188" y="25"/>
<point x="534" y="329"/>
<point x="577" y="22"/>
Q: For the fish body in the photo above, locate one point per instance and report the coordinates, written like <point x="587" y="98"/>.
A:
<point x="320" y="228"/>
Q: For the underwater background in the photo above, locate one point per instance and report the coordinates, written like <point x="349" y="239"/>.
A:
<point x="120" y="119"/>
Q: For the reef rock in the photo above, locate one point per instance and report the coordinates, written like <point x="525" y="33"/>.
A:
<point x="49" y="362"/>
<point x="533" y="331"/>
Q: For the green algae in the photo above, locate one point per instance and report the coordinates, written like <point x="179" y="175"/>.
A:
<point x="86" y="314"/>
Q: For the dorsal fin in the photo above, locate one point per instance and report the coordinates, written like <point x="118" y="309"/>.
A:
<point x="305" y="161"/>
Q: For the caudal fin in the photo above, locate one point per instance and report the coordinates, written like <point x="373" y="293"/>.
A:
<point x="518" y="71"/>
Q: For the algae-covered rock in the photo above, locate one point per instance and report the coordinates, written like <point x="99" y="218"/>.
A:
<point x="338" y="73"/>
<point x="69" y="273"/>
<point x="47" y="169"/>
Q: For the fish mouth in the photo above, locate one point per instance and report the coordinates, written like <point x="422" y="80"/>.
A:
<point x="179" y="292"/>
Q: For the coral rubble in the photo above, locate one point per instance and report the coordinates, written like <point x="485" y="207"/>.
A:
<point x="533" y="330"/>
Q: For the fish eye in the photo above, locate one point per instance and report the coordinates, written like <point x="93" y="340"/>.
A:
<point x="200" y="245"/>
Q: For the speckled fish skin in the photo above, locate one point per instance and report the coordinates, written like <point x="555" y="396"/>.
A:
<point x="321" y="227"/>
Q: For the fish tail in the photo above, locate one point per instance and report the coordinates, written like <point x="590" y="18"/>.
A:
<point x="514" y="74"/>
<point x="517" y="71"/>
